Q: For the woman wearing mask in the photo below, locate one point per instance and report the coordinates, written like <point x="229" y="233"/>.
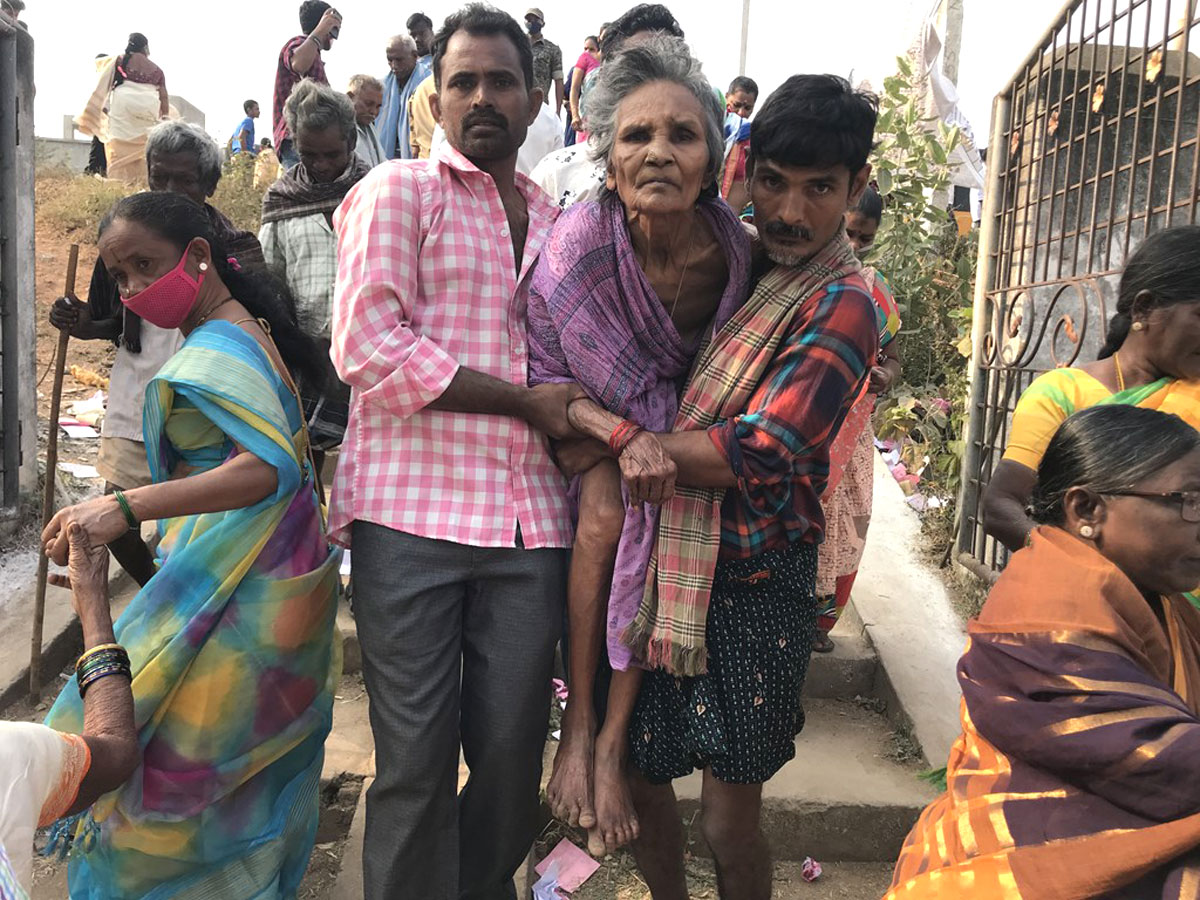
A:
<point x="231" y="642"/>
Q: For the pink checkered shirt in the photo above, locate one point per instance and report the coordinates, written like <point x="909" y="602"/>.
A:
<point x="426" y="282"/>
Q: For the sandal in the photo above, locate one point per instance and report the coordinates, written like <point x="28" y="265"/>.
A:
<point x="822" y="643"/>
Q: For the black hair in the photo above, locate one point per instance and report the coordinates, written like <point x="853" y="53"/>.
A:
<point x="1106" y="448"/>
<point x="137" y="43"/>
<point x="419" y="18"/>
<point x="265" y="142"/>
<point x="246" y="106"/>
<point x="479" y="19"/>
<point x="870" y="205"/>
<point x="592" y="37"/>
<point x="643" y="17"/>
<point x="177" y="219"/>
<point x="1167" y="267"/>
<point x="311" y="12"/>
<point x="815" y="121"/>
<point x="744" y="84"/>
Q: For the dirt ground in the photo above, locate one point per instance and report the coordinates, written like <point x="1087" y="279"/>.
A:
<point x="53" y="242"/>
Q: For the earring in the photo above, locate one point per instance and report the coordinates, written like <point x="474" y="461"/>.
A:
<point x="203" y="267"/>
<point x="1138" y="326"/>
<point x="1087" y="531"/>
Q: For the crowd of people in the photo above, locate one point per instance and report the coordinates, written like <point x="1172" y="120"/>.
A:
<point x="606" y="389"/>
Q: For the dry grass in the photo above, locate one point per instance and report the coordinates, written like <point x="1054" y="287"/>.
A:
<point x="72" y="205"/>
<point x="236" y="195"/>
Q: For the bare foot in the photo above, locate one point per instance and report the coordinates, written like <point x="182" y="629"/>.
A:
<point x="570" y="789"/>
<point x="616" y="821"/>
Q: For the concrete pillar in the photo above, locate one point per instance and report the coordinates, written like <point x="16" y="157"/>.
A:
<point x="18" y="338"/>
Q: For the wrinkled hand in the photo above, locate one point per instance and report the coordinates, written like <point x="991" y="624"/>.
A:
<point x="548" y="409"/>
<point x="87" y="570"/>
<point x="71" y="313"/>
<point x="576" y="455"/>
<point x="100" y="519"/>
<point x="648" y="470"/>
<point x="880" y="379"/>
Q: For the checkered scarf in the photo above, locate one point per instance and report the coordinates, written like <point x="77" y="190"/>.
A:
<point x="669" y="629"/>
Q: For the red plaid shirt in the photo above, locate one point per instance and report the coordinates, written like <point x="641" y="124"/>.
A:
<point x="426" y="282"/>
<point x="287" y="78"/>
<point x="779" y="447"/>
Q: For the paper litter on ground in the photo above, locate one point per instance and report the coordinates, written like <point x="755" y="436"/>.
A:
<point x="89" y="411"/>
<point x="78" y="470"/>
<point x="73" y="428"/>
<point x="568" y="866"/>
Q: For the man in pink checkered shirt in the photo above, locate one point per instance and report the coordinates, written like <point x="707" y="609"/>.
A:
<point x="445" y="489"/>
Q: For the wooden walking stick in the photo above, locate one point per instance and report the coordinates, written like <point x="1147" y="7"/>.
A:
<point x="39" y="602"/>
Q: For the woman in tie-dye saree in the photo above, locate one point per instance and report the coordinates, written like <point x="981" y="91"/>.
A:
<point x="1077" y="774"/>
<point x="231" y="641"/>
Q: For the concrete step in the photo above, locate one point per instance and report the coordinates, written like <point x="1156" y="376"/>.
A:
<point x="848" y="672"/>
<point x="844" y="796"/>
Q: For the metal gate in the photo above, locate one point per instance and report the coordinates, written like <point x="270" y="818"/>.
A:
<point x="1093" y="145"/>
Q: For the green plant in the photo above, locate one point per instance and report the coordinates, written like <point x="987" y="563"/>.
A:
<point x="931" y="270"/>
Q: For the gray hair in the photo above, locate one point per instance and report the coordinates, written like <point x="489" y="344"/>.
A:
<point x="315" y="107"/>
<point x="175" y="136"/>
<point x="406" y="40"/>
<point x="358" y="82"/>
<point x="657" y="57"/>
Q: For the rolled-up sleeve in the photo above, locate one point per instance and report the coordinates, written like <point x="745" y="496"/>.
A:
<point x="374" y="349"/>
<point x="815" y="376"/>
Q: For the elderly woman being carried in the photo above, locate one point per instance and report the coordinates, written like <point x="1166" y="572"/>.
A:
<point x="625" y="294"/>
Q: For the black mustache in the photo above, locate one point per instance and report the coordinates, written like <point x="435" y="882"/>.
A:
<point x="484" y="117"/>
<point x="781" y="229"/>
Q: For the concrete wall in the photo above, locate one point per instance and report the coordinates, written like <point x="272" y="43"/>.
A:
<point x="187" y="111"/>
<point x="54" y="152"/>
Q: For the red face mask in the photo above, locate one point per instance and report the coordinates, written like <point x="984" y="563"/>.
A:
<point x="167" y="301"/>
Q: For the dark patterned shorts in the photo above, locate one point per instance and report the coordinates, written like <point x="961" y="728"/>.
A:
<point x="741" y="718"/>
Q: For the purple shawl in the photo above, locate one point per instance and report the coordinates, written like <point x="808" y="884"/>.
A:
<point x="595" y="320"/>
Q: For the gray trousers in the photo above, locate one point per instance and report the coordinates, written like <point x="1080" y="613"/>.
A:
<point x="458" y="645"/>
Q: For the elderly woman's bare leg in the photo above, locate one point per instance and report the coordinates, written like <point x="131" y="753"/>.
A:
<point x="616" y="817"/>
<point x="601" y="517"/>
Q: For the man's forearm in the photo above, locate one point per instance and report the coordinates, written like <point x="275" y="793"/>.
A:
<point x="304" y="56"/>
<point x="699" y="462"/>
<point x="474" y="392"/>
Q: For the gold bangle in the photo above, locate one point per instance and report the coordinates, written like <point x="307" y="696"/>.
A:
<point x="99" y="648"/>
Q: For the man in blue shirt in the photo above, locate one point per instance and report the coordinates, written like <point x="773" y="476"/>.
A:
<point x="405" y="72"/>
<point x="242" y="139"/>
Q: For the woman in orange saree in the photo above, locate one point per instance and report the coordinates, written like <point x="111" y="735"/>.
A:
<point x="1076" y="774"/>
